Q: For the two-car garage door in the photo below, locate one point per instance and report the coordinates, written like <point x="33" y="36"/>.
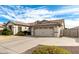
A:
<point x="44" y="32"/>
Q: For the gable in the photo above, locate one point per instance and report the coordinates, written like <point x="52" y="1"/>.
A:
<point x="16" y="23"/>
<point x="10" y="23"/>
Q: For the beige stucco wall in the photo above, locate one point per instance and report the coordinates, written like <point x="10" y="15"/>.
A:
<point x="24" y="28"/>
<point x="15" y="29"/>
<point x="32" y="31"/>
<point x="1" y="28"/>
<point x="58" y="31"/>
<point x="55" y="31"/>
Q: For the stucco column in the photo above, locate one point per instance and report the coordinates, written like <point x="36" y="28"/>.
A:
<point x="15" y="29"/>
<point x="32" y="31"/>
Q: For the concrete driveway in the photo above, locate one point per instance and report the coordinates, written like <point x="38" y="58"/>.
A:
<point x="19" y="44"/>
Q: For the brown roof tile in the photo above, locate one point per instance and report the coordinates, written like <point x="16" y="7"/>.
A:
<point x="40" y="23"/>
<point x="48" y="23"/>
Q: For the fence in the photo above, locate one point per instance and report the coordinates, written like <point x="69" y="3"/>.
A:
<point x="71" y="33"/>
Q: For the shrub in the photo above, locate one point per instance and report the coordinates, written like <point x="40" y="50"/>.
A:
<point x="0" y="32"/>
<point x="50" y="50"/>
<point x="23" y="33"/>
<point x="7" y="31"/>
<point x="20" y="33"/>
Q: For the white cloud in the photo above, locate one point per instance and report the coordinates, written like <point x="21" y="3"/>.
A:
<point x="31" y="15"/>
<point x="64" y="11"/>
<point x="72" y="23"/>
<point x="25" y="14"/>
<point x="41" y="11"/>
<point x="8" y="17"/>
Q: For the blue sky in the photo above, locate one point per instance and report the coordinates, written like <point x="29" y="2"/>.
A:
<point x="31" y="13"/>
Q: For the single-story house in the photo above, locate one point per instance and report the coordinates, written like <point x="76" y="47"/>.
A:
<point x="52" y="28"/>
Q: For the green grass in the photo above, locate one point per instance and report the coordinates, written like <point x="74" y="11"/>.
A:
<point x="43" y="49"/>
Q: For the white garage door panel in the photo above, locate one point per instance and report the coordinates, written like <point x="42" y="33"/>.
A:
<point x="44" y="32"/>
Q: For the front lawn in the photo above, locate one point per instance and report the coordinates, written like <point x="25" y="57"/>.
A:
<point x="42" y="49"/>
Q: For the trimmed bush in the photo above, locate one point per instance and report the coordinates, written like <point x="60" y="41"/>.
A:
<point x="21" y="33"/>
<point x="7" y="31"/>
<point x="50" y="50"/>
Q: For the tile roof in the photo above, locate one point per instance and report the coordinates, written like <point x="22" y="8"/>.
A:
<point x="49" y="23"/>
<point x="40" y="23"/>
<point x="18" y="23"/>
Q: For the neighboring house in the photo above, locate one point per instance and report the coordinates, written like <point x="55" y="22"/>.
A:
<point x="16" y="26"/>
<point x="72" y="32"/>
<point x="1" y="27"/>
<point x="52" y="28"/>
<point x="77" y="27"/>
